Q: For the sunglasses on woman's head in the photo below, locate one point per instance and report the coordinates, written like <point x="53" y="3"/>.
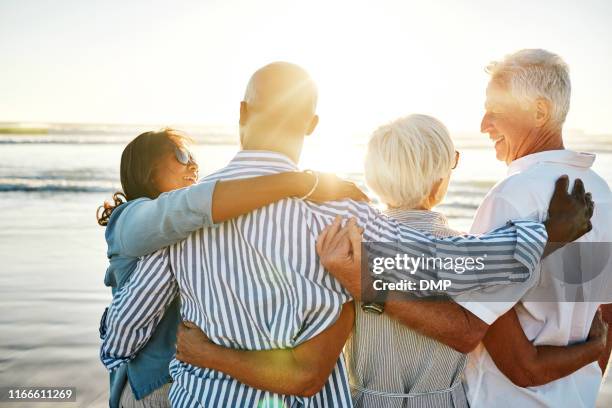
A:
<point x="184" y="156"/>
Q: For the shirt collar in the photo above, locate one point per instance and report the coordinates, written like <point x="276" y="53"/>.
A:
<point x="435" y="218"/>
<point x="261" y="158"/>
<point x="567" y="157"/>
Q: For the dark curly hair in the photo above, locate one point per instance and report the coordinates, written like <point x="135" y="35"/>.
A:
<point x="138" y="165"/>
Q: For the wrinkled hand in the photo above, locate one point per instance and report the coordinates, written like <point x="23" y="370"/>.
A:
<point x="340" y="251"/>
<point x="599" y="329"/>
<point x="332" y="187"/>
<point x="192" y="344"/>
<point x="569" y="215"/>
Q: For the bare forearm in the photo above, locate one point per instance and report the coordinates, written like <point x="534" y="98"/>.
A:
<point x="272" y="370"/>
<point x="302" y="370"/>
<point x="554" y="362"/>
<point x="444" y="321"/>
<point x="233" y="198"/>
<point x="527" y="365"/>
<point x="604" y="359"/>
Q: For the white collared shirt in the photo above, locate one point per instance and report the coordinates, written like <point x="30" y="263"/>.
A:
<point x="546" y="312"/>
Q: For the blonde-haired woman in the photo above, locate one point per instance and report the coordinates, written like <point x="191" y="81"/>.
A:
<point x="408" y="166"/>
<point x="409" y="161"/>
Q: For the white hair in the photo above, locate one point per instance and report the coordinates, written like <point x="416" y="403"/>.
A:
<point x="534" y="73"/>
<point x="406" y="157"/>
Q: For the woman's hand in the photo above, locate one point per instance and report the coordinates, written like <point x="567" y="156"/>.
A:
<point x="331" y="187"/>
<point x="192" y="345"/>
<point x="340" y="251"/>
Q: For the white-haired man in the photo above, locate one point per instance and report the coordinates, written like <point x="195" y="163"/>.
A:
<point x="528" y="98"/>
<point x="527" y="101"/>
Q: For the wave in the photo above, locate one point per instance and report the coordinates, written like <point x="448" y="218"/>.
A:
<point x="105" y="139"/>
<point x="96" y="141"/>
<point x="78" y="175"/>
<point x="30" y="185"/>
<point x="62" y="142"/>
<point x="9" y="188"/>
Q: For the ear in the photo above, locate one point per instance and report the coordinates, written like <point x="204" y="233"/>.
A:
<point x="543" y="112"/>
<point x="244" y="113"/>
<point x="312" y="125"/>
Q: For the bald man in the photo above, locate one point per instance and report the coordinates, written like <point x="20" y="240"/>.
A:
<point x="256" y="282"/>
<point x="278" y="110"/>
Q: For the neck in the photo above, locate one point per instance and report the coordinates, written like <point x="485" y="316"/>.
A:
<point x="418" y="207"/>
<point x="542" y="140"/>
<point x="290" y="146"/>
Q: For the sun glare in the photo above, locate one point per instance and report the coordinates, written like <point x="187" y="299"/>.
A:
<point x="372" y="68"/>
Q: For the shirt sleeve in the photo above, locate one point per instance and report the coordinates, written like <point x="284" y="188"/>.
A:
<point x="136" y="309"/>
<point x="489" y="303"/>
<point x="511" y="252"/>
<point x="150" y="225"/>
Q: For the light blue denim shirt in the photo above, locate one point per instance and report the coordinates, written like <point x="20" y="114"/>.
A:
<point x="137" y="228"/>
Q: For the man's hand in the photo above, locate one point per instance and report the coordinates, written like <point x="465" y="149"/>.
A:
<point x="192" y="345"/>
<point x="569" y="215"/>
<point x="340" y="251"/>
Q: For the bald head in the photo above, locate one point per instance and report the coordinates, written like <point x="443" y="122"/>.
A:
<point x="282" y="92"/>
<point x="278" y="108"/>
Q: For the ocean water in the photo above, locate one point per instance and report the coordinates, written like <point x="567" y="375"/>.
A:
<point x="53" y="253"/>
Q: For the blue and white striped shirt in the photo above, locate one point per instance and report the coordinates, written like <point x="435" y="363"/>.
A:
<point x="256" y="283"/>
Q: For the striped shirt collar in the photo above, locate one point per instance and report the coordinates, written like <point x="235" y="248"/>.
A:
<point x="263" y="158"/>
<point x="410" y="216"/>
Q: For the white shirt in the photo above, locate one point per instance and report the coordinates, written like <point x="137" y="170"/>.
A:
<point x="548" y="311"/>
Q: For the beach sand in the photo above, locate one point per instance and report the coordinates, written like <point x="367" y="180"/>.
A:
<point x="52" y="296"/>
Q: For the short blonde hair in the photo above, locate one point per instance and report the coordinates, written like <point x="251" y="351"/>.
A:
<point x="406" y="157"/>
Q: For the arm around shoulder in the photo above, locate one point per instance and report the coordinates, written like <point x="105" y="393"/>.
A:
<point x="149" y="225"/>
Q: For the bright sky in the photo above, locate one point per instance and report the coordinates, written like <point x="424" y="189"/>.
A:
<point x="172" y="62"/>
